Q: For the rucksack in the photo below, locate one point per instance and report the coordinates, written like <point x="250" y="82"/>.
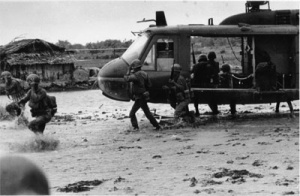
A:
<point x="51" y="101"/>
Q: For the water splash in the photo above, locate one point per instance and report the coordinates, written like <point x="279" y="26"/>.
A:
<point x="38" y="143"/>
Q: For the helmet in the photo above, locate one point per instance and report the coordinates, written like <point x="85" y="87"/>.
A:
<point x="19" y="175"/>
<point x="33" y="78"/>
<point x="5" y="74"/>
<point x="225" y="68"/>
<point x="211" y="55"/>
<point x="136" y="64"/>
<point x="202" y="57"/>
<point x="176" y="67"/>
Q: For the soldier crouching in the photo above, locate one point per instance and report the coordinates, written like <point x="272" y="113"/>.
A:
<point x="178" y="86"/>
<point x="38" y="102"/>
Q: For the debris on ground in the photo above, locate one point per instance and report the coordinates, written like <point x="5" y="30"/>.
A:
<point x="80" y="186"/>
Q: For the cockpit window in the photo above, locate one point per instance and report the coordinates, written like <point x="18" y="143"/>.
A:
<point x="134" y="51"/>
<point x="161" y="55"/>
<point x="165" y="54"/>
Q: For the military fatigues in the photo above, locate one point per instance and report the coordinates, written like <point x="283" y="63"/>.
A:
<point x="182" y="97"/>
<point x="265" y="75"/>
<point x="14" y="91"/>
<point x="39" y="109"/>
<point x="140" y="82"/>
<point x="198" y="80"/>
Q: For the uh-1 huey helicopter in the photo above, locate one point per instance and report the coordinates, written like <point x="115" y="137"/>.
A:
<point x="160" y="46"/>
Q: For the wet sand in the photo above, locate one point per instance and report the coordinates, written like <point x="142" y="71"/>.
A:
<point x="91" y="139"/>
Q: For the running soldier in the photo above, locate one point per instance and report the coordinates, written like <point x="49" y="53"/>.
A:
<point x="14" y="91"/>
<point x="141" y="84"/>
<point x="40" y="105"/>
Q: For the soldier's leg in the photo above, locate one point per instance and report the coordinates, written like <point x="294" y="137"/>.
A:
<point x="148" y="114"/>
<point x="181" y="109"/>
<point x="214" y="108"/>
<point x="291" y="108"/>
<point x="277" y="107"/>
<point x="136" y="106"/>
<point x="196" y="103"/>
<point x="38" y="125"/>
<point x="232" y="108"/>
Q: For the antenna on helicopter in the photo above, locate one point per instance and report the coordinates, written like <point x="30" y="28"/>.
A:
<point x="160" y="19"/>
<point x="136" y="32"/>
<point x="144" y="20"/>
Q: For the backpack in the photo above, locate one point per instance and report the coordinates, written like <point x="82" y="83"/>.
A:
<point x="51" y="102"/>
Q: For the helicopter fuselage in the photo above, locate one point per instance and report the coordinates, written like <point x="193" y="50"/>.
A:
<point x="159" y="47"/>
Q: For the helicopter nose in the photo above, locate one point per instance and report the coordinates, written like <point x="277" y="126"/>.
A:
<point x="111" y="80"/>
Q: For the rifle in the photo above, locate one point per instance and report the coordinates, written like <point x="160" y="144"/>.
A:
<point x="172" y="72"/>
<point x="222" y="59"/>
<point x="193" y="53"/>
<point x="129" y="70"/>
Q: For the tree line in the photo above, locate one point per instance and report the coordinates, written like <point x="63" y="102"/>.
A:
<point x="109" y="43"/>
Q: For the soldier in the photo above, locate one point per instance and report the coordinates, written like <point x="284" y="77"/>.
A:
<point x="141" y="84"/>
<point x="198" y="78"/>
<point x="179" y="86"/>
<point x="214" y="69"/>
<point x="212" y="79"/>
<point x="39" y="104"/>
<point x="225" y="77"/>
<point x="14" y="91"/>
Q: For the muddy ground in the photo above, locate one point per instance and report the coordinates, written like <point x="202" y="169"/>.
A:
<point x="89" y="148"/>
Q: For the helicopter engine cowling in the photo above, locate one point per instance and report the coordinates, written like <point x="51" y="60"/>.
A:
<point x="111" y="80"/>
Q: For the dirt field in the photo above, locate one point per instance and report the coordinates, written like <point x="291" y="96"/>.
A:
<point x="89" y="142"/>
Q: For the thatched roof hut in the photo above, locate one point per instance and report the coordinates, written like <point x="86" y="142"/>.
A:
<point x="33" y="51"/>
<point x="27" y="56"/>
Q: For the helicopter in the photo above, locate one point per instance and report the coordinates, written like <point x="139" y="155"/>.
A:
<point x="160" y="46"/>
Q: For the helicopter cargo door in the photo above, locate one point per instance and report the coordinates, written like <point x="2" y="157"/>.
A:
<point x="158" y="61"/>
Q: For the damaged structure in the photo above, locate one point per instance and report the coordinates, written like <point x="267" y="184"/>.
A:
<point x="45" y="59"/>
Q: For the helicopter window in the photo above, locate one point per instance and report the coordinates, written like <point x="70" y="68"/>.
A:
<point x="165" y="54"/>
<point x="149" y="63"/>
<point x="136" y="48"/>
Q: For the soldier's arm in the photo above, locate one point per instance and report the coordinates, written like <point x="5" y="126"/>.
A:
<point x="180" y="84"/>
<point x="25" y="99"/>
<point x="130" y="78"/>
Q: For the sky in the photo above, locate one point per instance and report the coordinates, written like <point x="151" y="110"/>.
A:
<point x="98" y="20"/>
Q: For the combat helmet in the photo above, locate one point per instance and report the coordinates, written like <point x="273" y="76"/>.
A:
<point x="226" y="68"/>
<point x="33" y="78"/>
<point x="176" y="67"/>
<point x="211" y="55"/>
<point x="202" y="57"/>
<point x="6" y="74"/>
<point x="136" y="64"/>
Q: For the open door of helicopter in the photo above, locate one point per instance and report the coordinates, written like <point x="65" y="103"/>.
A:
<point x="244" y="54"/>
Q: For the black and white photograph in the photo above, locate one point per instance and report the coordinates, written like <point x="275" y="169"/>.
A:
<point x="174" y="97"/>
